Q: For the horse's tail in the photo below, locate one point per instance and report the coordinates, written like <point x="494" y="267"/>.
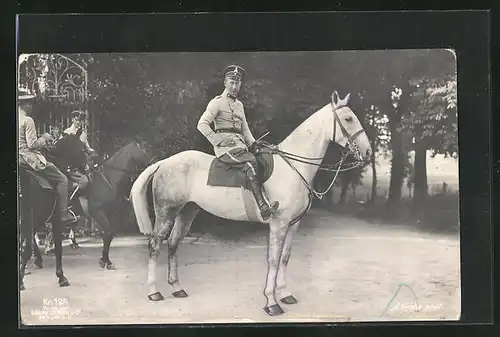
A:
<point x="138" y="197"/>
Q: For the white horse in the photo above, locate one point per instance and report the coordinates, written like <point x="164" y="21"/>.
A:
<point x="179" y="187"/>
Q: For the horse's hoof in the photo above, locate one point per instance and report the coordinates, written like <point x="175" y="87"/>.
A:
<point x="180" y="294"/>
<point x="22" y="287"/>
<point x="27" y="272"/>
<point x="64" y="283"/>
<point x="38" y="265"/>
<point x="102" y="263"/>
<point x="274" y="310"/>
<point x="110" y="266"/>
<point x="289" y="300"/>
<point x="157" y="296"/>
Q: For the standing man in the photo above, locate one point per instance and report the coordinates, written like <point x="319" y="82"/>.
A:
<point x="76" y="128"/>
<point x="232" y="138"/>
<point x="31" y="158"/>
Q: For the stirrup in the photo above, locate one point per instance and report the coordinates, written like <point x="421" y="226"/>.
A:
<point x="267" y="210"/>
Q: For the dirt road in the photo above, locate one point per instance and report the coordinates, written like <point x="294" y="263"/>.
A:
<point x="341" y="269"/>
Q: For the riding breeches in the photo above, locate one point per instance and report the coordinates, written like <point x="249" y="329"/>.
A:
<point x="57" y="178"/>
<point x="241" y="158"/>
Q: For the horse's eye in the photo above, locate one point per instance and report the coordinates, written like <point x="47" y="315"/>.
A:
<point x="348" y="119"/>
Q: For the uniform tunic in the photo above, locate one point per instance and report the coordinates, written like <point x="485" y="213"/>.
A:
<point x="30" y="144"/>
<point x="230" y="123"/>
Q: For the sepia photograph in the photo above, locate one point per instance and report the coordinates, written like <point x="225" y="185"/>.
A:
<point x="238" y="187"/>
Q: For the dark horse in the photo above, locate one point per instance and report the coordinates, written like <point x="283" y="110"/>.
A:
<point x="107" y="184"/>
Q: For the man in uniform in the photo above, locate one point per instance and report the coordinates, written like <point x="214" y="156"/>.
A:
<point x="76" y="128"/>
<point x="232" y="139"/>
<point x="31" y="158"/>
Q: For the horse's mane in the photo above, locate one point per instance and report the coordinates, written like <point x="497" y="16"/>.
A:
<point x="118" y="152"/>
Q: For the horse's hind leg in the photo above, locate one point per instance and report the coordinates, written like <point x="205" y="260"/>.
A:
<point x="26" y="253"/>
<point x="182" y="225"/>
<point x="58" y="249"/>
<point x="164" y="222"/>
<point x="37" y="254"/>
<point x="281" y="289"/>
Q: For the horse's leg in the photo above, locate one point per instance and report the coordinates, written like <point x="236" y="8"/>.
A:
<point x="49" y="241"/>
<point x="26" y="253"/>
<point x="26" y="236"/>
<point x="277" y="233"/>
<point x="84" y="203"/>
<point x="163" y="226"/>
<point x="57" y="234"/>
<point x="182" y="225"/>
<point x="99" y="215"/>
<point x="37" y="254"/>
<point x="281" y="290"/>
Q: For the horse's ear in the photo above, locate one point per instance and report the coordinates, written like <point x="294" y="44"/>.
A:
<point x="346" y="99"/>
<point x="335" y="98"/>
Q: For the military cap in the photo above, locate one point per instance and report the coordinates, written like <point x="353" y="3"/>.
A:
<point x="78" y="114"/>
<point x="24" y="95"/>
<point x="234" y="71"/>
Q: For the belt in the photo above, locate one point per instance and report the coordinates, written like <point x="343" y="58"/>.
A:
<point x="228" y="130"/>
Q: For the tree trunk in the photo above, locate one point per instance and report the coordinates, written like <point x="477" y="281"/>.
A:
<point x="421" y="187"/>
<point x="397" y="161"/>
<point x="374" y="178"/>
<point x="343" y="191"/>
<point x="328" y="198"/>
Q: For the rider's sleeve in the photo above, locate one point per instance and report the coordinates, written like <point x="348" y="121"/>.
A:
<point x="34" y="143"/>
<point x="245" y="131"/>
<point x="86" y="142"/>
<point x="204" y="123"/>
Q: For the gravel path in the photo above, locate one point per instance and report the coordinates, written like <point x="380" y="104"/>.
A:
<point x="341" y="269"/>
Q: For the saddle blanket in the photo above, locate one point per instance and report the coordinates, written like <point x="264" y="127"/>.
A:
<point x="231" y="175"/>
<point x="43" y="182"/>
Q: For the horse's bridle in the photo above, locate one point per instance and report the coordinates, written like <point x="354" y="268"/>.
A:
<point x="350" y="144"/>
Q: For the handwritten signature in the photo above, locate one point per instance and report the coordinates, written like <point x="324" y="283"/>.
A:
<point x="412" y="307"/>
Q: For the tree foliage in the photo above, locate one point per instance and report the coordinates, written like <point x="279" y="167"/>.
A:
<point x="160" y="97"/>
<point x="432" y="117"/>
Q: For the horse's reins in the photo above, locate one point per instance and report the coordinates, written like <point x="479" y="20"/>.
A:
<point x="99" y="166"/>
<point x="352" y="146"/>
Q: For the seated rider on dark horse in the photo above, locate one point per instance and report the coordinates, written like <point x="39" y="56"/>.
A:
<point x="232" y="139"/>
<point x="32" y="159"/>
<point x="76" y="128"/>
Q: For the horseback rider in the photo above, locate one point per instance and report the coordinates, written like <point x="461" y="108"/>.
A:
<point x="232" y="139"/>
<point x="31" y="158"/>
<point x="76" y="128"/>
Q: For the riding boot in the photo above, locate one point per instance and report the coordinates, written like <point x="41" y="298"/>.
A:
<point x="266" y="210"/>
<point x="62" y="201"/>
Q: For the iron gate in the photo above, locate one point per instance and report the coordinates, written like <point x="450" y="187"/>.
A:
<point x="60" y="86"/>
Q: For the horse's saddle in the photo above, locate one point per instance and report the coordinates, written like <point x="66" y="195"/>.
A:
<point x="222" y="174"/>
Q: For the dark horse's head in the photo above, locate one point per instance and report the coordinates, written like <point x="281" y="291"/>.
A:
<point x="68" y="151"/>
